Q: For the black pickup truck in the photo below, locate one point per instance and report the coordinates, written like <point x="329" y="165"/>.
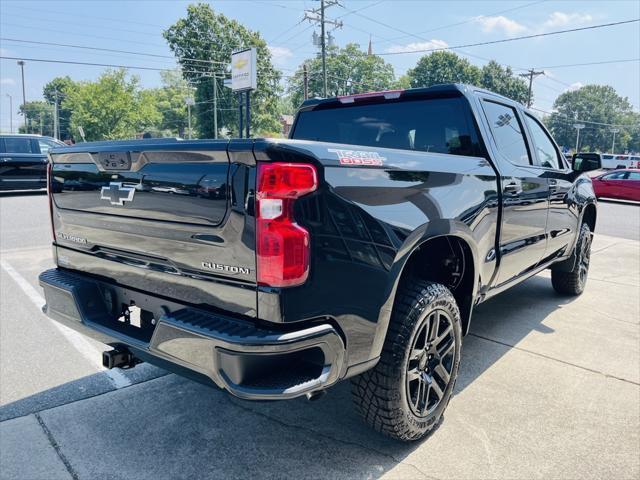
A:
<point x="355" y="249"/>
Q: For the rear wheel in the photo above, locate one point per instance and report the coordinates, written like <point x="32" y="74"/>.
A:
<point x="573" y="282"/>
<point x="405" y="394"/>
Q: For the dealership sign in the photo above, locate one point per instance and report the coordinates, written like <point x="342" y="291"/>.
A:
<point x="243" y="70"/>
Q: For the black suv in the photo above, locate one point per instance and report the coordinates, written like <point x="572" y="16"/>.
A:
<point x="23" y="160"/>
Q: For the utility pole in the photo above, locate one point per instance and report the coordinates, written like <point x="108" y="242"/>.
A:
<point x="613" y="145"/>
<point x="531" y="73"/>
<point x="24" y="97"/>
<point x="10" y="112"/>
<point x="318" y="15"/>
<point x="578" y="127"/>
<point x="41" y="123"/>
<point x="305" y="80"/>
<point x="215" y="106"/>
<point x="189" y="101"/>
<point x="56" y="120"/>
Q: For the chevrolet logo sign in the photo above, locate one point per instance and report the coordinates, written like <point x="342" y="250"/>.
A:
<point x="117" y="194"/>
<point x="240" y="63"/>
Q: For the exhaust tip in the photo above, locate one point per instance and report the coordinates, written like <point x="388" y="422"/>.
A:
<point x="316" y="395"/>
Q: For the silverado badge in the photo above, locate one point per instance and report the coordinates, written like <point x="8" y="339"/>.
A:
<point x="117" y="194"/>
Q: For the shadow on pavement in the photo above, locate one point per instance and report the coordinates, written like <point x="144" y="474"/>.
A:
<point x="170" y="427"/>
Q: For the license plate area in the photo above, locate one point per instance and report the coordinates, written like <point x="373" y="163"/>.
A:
<point x="136" y="317"/>
<point x="131" y="312"/>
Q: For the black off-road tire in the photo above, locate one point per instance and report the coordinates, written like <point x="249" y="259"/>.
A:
<point x="388" y="396"/>
<point x="572" y="282"/>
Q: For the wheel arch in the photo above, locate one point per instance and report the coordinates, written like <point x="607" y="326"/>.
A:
<point x="417" y="258"/>
<point x="589" y="216"/>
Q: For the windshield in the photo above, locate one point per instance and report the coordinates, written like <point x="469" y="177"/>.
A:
<point x="442" y="125"/>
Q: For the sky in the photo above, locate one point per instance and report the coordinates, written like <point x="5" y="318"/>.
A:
<point x="394" y="27"/>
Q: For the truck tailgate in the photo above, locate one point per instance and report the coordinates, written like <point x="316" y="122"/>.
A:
<point x="151" y="214"/>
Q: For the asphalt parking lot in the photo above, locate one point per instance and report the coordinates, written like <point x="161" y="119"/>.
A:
<point x="549" y="388"/>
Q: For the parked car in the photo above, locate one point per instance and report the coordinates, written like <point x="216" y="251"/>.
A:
<point x="23" y="161"/>
<point x="611" y="161"/>
<point x="357" y="248"/>
<point x="620" y="184"/>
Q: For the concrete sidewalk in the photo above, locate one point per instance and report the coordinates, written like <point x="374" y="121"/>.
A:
<point x="549" y="388"/>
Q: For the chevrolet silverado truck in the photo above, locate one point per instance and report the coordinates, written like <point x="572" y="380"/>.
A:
<point x="355" y="249"/>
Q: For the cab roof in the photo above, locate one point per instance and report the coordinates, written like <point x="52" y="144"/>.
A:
<point x="445" y="89"/>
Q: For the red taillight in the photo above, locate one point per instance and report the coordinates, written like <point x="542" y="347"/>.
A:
<point x="50" y="195"/>
<point x="282" y="246"/>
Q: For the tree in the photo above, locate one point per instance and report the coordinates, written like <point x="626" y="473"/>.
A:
<point x="38" y="117"/>
<point x="203" y="42"/>
<point x="60" y="87"/>
<point x="349" y="70"/>
<point x="443" y="67"/>
<point x="447" y="67"/>
<point x="170" y="102"/>
<point x="113" y="107"/>
<point x="593" y="103"/>
<point x="501" y="80"/>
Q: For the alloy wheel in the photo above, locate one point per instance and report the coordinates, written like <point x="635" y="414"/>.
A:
<point x="430" y="363"/>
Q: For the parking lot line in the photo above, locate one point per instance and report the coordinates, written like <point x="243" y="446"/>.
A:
<point x="79" y="342"/>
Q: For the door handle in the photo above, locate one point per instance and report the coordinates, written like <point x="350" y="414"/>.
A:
<point x="553" y="184"/>
<point x="512" y="188"/>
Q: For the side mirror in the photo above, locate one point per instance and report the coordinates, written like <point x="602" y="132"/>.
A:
<point x="581" y="163"/>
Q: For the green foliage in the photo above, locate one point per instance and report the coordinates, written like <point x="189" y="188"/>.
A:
<point x="594" y="103"/>
<point x="501" y="80"/>
<point x="63" y="86"/>
<point x="39" y="118"/>
<point x="349" y="70"/>
<point x="203" y="42"/>
<point x="170" y="102"/>
<point x="113" y="107"/>
<point x="443" y="67"/>
<point x="447" y="67"/>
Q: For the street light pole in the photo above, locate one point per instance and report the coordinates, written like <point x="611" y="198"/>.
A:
<point x="24" y="97"/>
<point x="56" y="124"/>
<point x="613" y="145"/>
<point x="578" y="127"/>
<point x="10" y="112"/>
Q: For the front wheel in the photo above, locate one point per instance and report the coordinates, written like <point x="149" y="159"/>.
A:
<point x="405" y="394"/>
<point x="573" y="282"/>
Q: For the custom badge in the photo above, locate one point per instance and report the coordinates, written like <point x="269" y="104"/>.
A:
<point x="358" y="157"/>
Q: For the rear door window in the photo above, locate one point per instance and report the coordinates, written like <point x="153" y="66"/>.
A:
<point x="19" y="145"/>
<point x="545" y="149"/>
<point x="439" y="125"/>
<point x="615" y="176"/>
<point x="507" y="132"/>
<point x="46" y="145"/>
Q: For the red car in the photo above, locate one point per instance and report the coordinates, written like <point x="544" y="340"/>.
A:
<point x="621" y="184"/>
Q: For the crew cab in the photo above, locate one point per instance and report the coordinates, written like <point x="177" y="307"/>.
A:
<point x="357" y="248"/>
<point x="23" y="161"/>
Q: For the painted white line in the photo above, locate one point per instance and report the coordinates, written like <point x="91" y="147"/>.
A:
<point x="79" y="342"/>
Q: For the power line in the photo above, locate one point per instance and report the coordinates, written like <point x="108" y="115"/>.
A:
<point x="513" y="39"/>
<point x="450" y="25"/>
<point x="128" y="52"/>
<point x="587" y="121"/>
<point x="70" y="62"/>
<point x="593" y="63"/>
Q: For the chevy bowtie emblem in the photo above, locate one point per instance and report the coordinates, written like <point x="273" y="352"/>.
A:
<point x="117" y="194"/>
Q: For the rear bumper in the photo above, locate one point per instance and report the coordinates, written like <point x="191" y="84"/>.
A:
<point x="248" y="361"/>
